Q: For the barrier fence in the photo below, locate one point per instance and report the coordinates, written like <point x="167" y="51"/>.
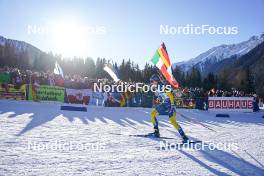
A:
<point x="138" y="99"/>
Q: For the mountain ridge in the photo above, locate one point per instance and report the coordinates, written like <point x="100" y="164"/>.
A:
<point x="216" y="54"/>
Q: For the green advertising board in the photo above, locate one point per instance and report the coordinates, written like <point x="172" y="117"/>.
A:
<point x="47" y="93"/>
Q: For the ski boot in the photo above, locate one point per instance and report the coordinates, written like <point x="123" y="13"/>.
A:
<point x="185" y="139"/>
<point x="155" y="133"/>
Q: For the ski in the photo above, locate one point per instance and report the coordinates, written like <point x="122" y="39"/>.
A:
<point x="149" y="135"/>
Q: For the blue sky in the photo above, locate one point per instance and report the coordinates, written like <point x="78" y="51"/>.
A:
<point x="132" y="27"/>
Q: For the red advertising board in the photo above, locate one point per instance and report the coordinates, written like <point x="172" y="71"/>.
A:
<point x="79" y="96"/>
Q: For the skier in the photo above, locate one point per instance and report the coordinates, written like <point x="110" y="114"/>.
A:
<point x="167" y="104"/>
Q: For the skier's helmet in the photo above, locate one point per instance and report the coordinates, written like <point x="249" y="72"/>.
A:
<point x="154" y="78"/>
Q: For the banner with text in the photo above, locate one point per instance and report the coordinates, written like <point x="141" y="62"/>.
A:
<point x="46" y="93"/>
<point x="243" y="104"/>
<point x="12" y="92"/>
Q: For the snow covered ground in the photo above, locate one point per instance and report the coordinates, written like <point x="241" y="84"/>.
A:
<point x="40" y="139"/>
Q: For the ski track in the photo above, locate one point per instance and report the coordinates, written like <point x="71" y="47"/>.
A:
<point x="22" y="122"/>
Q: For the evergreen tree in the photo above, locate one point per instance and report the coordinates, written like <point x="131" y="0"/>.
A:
<point x="223" y="82"/>
<point x="249" y="85"/>
<point x="210" y="81"/>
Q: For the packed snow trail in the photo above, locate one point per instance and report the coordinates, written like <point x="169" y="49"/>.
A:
<point x="98" y="151"/>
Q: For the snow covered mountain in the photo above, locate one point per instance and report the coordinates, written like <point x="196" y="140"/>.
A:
<point x="18" y="50"/>
<point x="219" y="53"/>
<point x="20" y="46"/>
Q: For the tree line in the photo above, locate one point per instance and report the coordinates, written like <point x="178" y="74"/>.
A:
<point x="221" y="81"/>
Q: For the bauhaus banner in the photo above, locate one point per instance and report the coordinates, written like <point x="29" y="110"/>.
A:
<point x="243" y="104"/>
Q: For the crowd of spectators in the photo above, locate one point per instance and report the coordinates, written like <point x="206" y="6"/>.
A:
<point x="18" y="77"/>
<point x="232" y="93"/>
<point x="200" y="92"/>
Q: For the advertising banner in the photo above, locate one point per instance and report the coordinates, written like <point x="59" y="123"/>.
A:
<point x="10" y="92"/>
<point x="79" y="96"/>
<point x="243" y="104"/>
<point x="46" y="93"/>
<point x="98" y="98"/>
<point x="185" y="103"/>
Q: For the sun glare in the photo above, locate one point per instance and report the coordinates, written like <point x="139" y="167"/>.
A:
<point x="70" y="39"/>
